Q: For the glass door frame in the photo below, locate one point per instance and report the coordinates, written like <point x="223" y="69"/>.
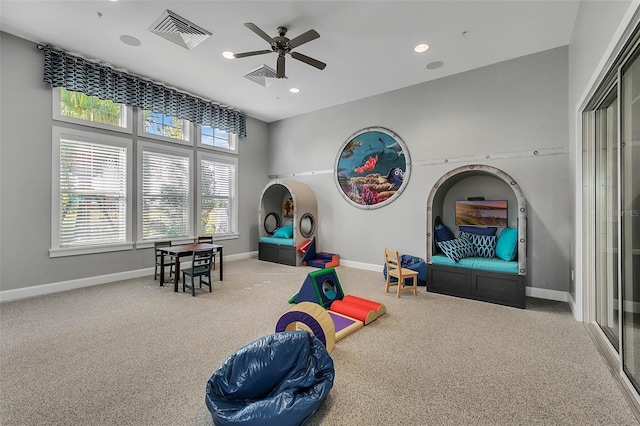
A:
<point x="612" y="78"/>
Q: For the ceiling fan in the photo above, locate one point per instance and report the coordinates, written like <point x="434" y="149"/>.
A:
<point x="282" y="45"/>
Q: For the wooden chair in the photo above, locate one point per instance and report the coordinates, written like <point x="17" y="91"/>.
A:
<point x="207" y="239"/>
<point x="170" y="262"/>
<point x="201" y="264"/>
<point x="395" y="270"/>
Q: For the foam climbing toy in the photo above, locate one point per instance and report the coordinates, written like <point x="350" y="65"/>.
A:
<point x="379" y="308"/>
<point x="321" y="287"/>
<point x="323" y="290"/>
<point x="318" y="260"/>
<point x="354" y="311"/>
<point x="313" y="318"/>
<point x="344" y="325"/>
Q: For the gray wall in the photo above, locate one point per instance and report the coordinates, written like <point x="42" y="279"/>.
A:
<point x="516" y="106"/>
<point x="25" y="179"/>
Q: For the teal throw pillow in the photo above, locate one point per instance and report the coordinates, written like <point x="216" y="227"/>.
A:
<point x="284" y="232"/>
<point x="507" y="246"/>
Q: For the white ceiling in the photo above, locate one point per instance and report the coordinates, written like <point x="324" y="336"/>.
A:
<point x="367" y="45"/>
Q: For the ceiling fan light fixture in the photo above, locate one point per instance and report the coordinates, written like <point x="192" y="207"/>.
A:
<point x="421" y="48"/>
<point x="229" y="55"/>
<point x="294" y="90"/>
<point x="283" y="46"/>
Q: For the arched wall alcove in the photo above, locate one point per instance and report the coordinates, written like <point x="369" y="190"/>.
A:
<point x="305" y="210"/>
<point x="440" y="204"/>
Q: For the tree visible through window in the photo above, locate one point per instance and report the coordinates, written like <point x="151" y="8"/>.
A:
<point x="91" y="108"/>
<point x="93" y="194"/>
<point x="217" y="186"/>
<point x="165" y="195"/>
<point x="168" y="126"/>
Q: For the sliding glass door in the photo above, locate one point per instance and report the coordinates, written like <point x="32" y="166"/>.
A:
<point x="630" y="217"/>
<point x="611" y="162"/>
<point x="606" y="226"/>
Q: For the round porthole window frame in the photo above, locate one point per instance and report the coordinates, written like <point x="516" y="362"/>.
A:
<point x="266" y="218"/>
<point x="312" y="226"/>
<point x="392" y="144"/>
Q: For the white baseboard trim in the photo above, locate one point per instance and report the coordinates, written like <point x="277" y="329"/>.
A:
<point x="44" y="289"/>
<point x="361" y="265"/>
<point x="41" y="290"/>
<point x="545" y="293"/>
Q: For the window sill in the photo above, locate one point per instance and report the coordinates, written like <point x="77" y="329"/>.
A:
<point x="76" y="251"/>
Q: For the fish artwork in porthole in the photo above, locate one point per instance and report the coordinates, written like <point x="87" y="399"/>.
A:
<point x="372" y="168"/>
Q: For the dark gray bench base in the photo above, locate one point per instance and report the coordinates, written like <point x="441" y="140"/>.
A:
<point x="494" y="287"/>
<point x="285" y="255"/>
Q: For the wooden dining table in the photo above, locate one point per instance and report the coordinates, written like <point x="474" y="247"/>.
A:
<point x="185" y="250"/>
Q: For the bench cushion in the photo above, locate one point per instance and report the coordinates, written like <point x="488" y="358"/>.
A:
<point x="495" y="264"/>
<point x="277" y="241"/>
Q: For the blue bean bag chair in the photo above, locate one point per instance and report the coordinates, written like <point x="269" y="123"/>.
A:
<point x="279" y="379"/>
<point x="413" y="263"/>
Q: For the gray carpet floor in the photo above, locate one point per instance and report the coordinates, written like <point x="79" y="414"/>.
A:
<point x="134" y="353"/>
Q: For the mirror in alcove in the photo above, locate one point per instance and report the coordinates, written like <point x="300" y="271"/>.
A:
<point x="271" y="223"/>
<point x="307" y="225"/>
<point x="372" y="168"/>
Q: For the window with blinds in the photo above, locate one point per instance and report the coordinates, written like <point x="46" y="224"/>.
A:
<point x="92" y="193"/>
<point x="165" y="195"/>
<point x="217" y="196"/>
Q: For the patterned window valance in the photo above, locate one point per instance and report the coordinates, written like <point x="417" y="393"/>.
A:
<point x="75" y="73"/>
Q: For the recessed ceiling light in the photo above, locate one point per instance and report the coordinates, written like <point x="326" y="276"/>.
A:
<point x="434" y="65"/>
<point x="421" y="48"/>
<point x="130" y="40"/>
<point x="294" y="90"/>
<point x="228" y="55"/>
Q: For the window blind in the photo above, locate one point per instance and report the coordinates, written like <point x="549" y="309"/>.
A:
<point x="93" y="193"/>
<point x="217" y="181"/>
<point x="165" y="195"/>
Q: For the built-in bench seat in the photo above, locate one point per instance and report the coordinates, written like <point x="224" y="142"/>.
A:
<point x="479" y="274"/>
<point x="277" y="249"/>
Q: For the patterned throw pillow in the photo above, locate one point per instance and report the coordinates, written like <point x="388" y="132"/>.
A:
<point x="457" y="249"/>
<point x="485" y="245"/>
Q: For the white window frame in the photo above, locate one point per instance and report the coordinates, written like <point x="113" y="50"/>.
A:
<point x="188" y="132"/>
<point x="233" y="142"/>
<point x="59" y="133"/>
<point x="57" y="115"/>
<point x="210" y="156"/>
<point x="169" y="150"/>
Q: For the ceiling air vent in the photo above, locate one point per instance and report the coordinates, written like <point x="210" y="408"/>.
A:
<point x="178" y="30"/>
<point x="263" y="75"/>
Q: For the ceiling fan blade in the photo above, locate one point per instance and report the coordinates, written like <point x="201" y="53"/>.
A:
<point x="280" y="67"/>
<point x="255" y="52"/>
<point x="253" y="27"/>
<point x="307" y="60"/>
<point x="303" y="38"/>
